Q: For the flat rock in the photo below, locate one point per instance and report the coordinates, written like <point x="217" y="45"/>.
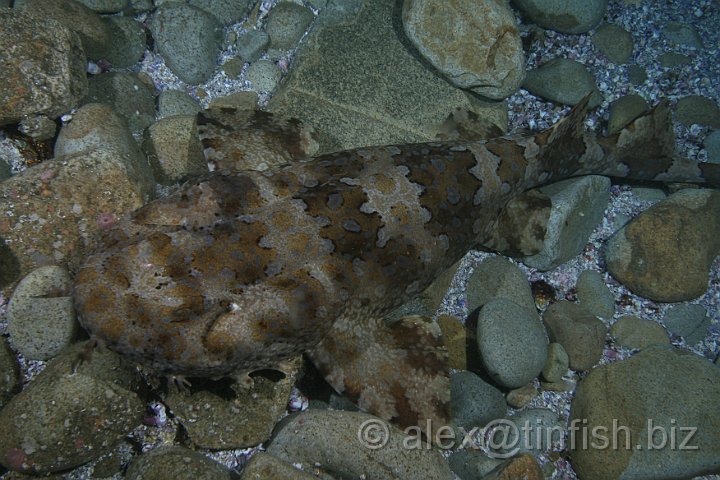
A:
<point x="474" y="402"/>
<point x="581" y="333"/>
<point x="444" y="33"/>
<point x="563" y="81"/>
<point x="264" y="75"/>
<point x="624" y="110"/>
<point x="665" y="253"/>
<point x="511" y="341"/>
<point x="178" y="463"/>
<point x="578" y="205"/>
<point x="174" y="150"/>
<point x="328" y="440"/>
<point x="286" y="23"/>
<point x="265" y="466"/>
<point x="556" y="364"/>
<point x="696" y="109"/>
<point x="594" y="295"/>
<point x="682" y="34"/>
<point x="712" y="146"/>
<point x="328" y="86"/>
<point x="188" y="39"/>
<point x="689" y="321"/>
<point x="127" y="44"/>
<point x="566" y="16"/>
<point x="226" y="12"/>
<point x="251" y="45"/>
<point x="614" y="42"/>
<point x="675" y="390"/>
<point x="175" y="102"/>
<point x="105" y="6"/>
<point x="43" y="66"/>
<point x="633" y="332"/>
<point x="41" y="316"/>
<point x="498" y="277"/>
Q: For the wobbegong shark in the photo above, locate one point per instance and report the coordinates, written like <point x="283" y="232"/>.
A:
<point x="241" y="270"/>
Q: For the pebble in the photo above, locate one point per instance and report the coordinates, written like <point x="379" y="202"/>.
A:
<point x="42" y="65"/>
<point x="41" y="316"/>
<point x="474" y="402"/>
<point x="689" y="321"/>
<point x="682" y="34"/>
<point x="329" y="439"/>
<point x="472" y="464"/>
<point x="563" y="81"/>
<point x="557" y="363"/>
<point x="581" y="333"/>
<point x="251" y="45"/>
<point x="578" y="206"/>
<point x="220" y="419"/>
<point x="632" y="332"/>
<point x="188" y="39"/>
<point x="665" y="253"/>
<point x="226" y="12"/>
<point x="174" y="150"/>
<point x="566" y="16"/>
<point x="498" y="277"/>
<point x="696" y="109"/>
<point x="624" y="110"/>
<point x="287" y="23"/>
<point x="537" y="429"/>
<point x="130" y="96"/>
<point x="712" y="146"/>
<point x="178" y="463"/>
<point x="673" y="59"/>
<point x="614" y="42"/>
<point x="39" y="127"/>
<point x="594" y="295"/>
<point x="511" y="341"/>
<point x="175" y="102"/>
<point x="264" y="75"/>
<point x="265" y="466"/>
<point x="9" y="372"/>
<point x="676" y="390"/>
<point x="636" y="75"/>
<point x="521" y="397"/>
<point x="488" y="28"/>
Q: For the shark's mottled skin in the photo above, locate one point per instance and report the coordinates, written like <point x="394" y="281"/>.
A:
<point x="240" y="270"/>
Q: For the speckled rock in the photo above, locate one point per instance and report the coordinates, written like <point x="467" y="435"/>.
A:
<point x="127" y="44"/>
<point x="471" y="464"/>
<point x="474" y="402"/>
<point x="675" y="389"/>
<point x="511" y="341"/>
<point x="39" y="127"/>
<point x="225" y="11"/>
<point x="522" y="225"/>
<point x="130" y="96"/>
<point x="614" y="42"/>
<point x="9" y="372"/>
<point x="455" y="338"/>
<point x="175" y="102"/>
<point x="95" y="34"/>
<point x="218" y="417"/>
<point x="330" y="439"/>
<point x="673" y="59"/>
<point x="264" y="75"/>
<point x="665" y="253"/>
<point x="696" y="109"/>
<point x="175" y="462"/>
<point x="325" y="90"/>
<point x="636" y="74"/>
<point x="563" y="81"/>
<point x="487" y="28"/>
<point x="537" y="430"/>
<point x="59" y="206"/>
<point x="263" y="466"/>
<point x="682" y="34"/>
<point x="688" y="321"/>
<point x="188" y="39"/>
<point x="106" y="6"/>
<point x="712" y="146"/>
<point x="633" y="332"/>
<point x="594" y="295"/>
<point x="40" y="315"/>
<point x="578" y="205"/>
<point x="251" y="45"/>
<point x="498" y="277"/>
<point x="64" y="420"/>
<point x="581" y="333"/>
<point x="565" y="16"/>
<point x="520" y="397"/>
<point x="556" y="364"/>
<point x="246" y="100"/>
<point x="649" y="194"/>
<point x="286" y="23"/>
<point x="42" y="64"/>
<point x="624" y="110"/>
<point x="174" y="150"/>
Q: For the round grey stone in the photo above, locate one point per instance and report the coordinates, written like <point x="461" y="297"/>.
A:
<point x="712" y="146"/>
<point x="567" y="16"/>
<point x="563" y="81"/>
<point x="682" y="34"/>
<point x="175" y="462"/>
<point x="594" y="294"/>
<point x="225" y="11"/>
<point x="175" y="102"/>
<point x="251" y="45"/>
<point x="614" y="42"/>
<point x="287" y="23"/>
<point x="696" y="109"/>
<point x="581" y="333"/>
<point x="474" y="402"/>
<point x="498" y="277"/>
<point x="511" y="341"/>
<point x="624" y="110"/>
<point x="41" y="315"/>
<point x="105" y="6"/>
<point x="633" y="332"/>
<point x="557" y="363"/>
<point x="129" y="95"/>
<point x="264" y="75"/>
<point x="189" y="39"/>
<point x="127" y="44"/>
<point x="689" y="321"/>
